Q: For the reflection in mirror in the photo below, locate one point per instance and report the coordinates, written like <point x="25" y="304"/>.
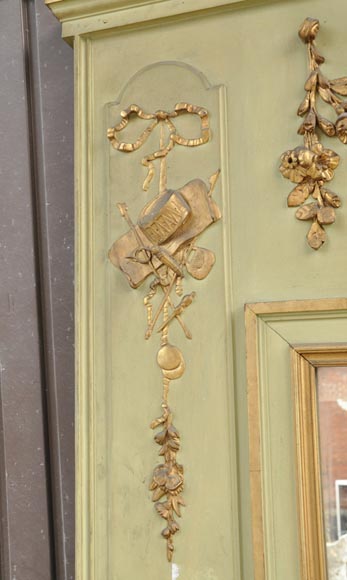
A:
<point x="332" y="408"/>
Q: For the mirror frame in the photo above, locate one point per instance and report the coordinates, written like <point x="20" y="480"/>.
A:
<point x="294" y="323"/>
<point x="305" y="360"/>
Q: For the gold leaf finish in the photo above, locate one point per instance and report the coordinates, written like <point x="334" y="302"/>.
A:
<point x="161" y="246"/>
<point x="307" y="212"/>
<point x="156" y="118"/>
<point x="316" y="236"/>
<point x="311" y="165"/>
<point x="341" y="127"/>
<point x="309" y="29"/>
<point x="201" y="262"/>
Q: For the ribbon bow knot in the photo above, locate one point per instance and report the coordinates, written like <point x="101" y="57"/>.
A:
<point x="156" y="118"/>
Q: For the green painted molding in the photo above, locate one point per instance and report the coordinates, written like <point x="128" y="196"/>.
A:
<point x="81" y="17"/>
<point x="64" y="9"/>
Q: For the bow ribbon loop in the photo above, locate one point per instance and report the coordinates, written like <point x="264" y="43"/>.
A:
<point x="156" y="118"/>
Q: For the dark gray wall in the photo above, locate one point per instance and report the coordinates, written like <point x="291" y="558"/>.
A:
<point x="36" y="296"/>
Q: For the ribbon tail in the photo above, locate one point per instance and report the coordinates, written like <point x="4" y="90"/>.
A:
<point x="150" y="173"/>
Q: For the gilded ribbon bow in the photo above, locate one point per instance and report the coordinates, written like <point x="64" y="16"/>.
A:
<point x="162" y="117"/>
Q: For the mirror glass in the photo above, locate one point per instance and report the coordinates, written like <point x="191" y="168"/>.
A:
<point x="332" y="408"/>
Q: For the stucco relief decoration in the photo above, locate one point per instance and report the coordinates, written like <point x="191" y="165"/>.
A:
<point x="311" y="166"/>
<point x="160" y="249"/>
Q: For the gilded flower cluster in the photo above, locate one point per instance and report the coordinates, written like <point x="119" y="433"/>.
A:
<point x="311" y="166"/>
<point x="168" y="478"/>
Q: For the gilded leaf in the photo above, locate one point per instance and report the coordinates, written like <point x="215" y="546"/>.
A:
<point x="339" y="86"/>
<point x="326" y="215"/>
<point x="172" y="431"/>
<point x="316" y="193"/>
<point x="153" y="485"/>
<point x="162" y="509"/>
<point x="310" y="121"/>
<point x="323" y="81"/>
<point x="174" y="444"/>
<point x="316" y="236"/>
<point x="157" y="422"/>
<point x="303" y="108"/>
<point x="301" y="130"/>
<point x="331" y="198"/>
<point x="300" y="193"/>
<point x="160" y="437"/>
<point x="341" y="127"/>
<point x="327" y="126"/>
<point x="158" y="494"/>
<point x="176" y="505"/>
<point x="306" y="212"/>
<point x="325" y="94"/>
<point x="342" y="136"/>
<point x="181" y="500"/>
<point x="311" y="81"/>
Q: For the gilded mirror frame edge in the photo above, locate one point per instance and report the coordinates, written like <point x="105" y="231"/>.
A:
<point x="304" y="360"/>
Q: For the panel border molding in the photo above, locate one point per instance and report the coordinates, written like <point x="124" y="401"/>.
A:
<point x="85" y="301"/>
<point x="91" y="383"/>
<point x="282" y="319"/>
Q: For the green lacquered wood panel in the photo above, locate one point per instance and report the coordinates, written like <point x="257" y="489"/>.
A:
<point x="254" y="57"/>
<point x="133" y="387"/>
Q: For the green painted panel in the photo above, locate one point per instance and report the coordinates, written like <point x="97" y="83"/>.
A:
<point x="247" y="67"/>
<point x="135" y="398"/>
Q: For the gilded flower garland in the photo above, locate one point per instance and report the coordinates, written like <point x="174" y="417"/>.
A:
<point x="312" y="166"/>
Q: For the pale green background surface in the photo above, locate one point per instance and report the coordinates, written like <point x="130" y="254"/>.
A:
<point x="252" y="52"/>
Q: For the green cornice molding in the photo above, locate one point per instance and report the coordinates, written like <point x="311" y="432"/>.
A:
<point x="71" y="9"/>
<point x="83" y="17"/>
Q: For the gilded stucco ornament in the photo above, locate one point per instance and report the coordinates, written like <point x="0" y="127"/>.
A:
<point x="311" y="166"/>
<point x="161" y="247"/>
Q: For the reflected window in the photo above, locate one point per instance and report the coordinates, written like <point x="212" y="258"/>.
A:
<point x="341" y="507"/>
